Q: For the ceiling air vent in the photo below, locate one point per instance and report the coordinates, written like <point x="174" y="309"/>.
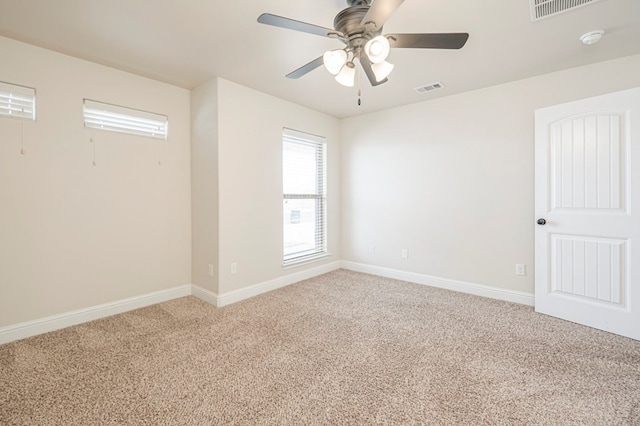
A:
<point x="429" y="87"/>
<point x="541" y="9"/>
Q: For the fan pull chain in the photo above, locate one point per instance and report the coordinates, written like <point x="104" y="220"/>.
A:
<point x="159" y="159"/>
<point x="359" y="89"/>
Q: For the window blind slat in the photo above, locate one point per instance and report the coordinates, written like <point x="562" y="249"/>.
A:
<point x="13" y="100"/>
<point x="123" y="124"/>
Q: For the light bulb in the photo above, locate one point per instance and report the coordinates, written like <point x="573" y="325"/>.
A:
<point x="377" y="49"/>
<point x="334" y="60"/>
<point x="382" y="70"/>
<point x="347" y="75"/>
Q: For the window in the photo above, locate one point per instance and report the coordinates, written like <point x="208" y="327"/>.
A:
<point x="304" y="197"/>
<point x="98" y="115"/>
<point x="17" y="101"/>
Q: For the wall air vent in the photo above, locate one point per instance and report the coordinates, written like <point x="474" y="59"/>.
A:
<point x="429" y="87"/>
<point x="541" y="9"/>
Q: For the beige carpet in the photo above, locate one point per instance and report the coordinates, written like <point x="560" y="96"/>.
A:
<point x="341" y="349"/>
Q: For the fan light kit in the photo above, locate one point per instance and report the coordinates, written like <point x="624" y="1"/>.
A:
<point x="359" y="27"/>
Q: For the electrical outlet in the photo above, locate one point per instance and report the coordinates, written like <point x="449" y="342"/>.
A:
<point x="520" y="269"/>
<point x="210" y="269"/>
<point x="405" y="253"/>
<point x="372" y="248"/>
<point x="234" y="268"/>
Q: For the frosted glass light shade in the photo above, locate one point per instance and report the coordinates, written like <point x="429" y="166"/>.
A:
<point x="382" y="70"/>
<point x="334" y="60"/>
<point x="347" y="75"/>
<point x="377" y="49"/>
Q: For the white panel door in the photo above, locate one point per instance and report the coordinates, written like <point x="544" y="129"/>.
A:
<point x="587" y="202"/>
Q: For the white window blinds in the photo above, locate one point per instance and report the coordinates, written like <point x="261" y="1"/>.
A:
<point x="98" y="115"/>
<point x="304" y="196"/>
<point x="17" y="101"/>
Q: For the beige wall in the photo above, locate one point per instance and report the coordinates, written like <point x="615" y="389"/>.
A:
<point x="452" y="179"/>
<point x="73" y="235"/>
<point x="204" y="185"/>
<point x="250" y="182"/>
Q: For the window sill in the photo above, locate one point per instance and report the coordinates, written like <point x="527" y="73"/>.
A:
<point x="298" y="262"/>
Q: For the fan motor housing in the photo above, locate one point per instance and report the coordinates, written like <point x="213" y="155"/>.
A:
<point x="349" y="23"/>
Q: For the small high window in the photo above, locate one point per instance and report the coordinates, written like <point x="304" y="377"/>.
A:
<point x="114" y="118"/>
<point x="17" y="101"/>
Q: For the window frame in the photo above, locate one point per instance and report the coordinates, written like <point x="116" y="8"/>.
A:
<point x="290" y="136"/>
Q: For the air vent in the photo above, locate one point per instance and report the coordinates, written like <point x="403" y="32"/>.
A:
<point x="541" y="9"/>
<point x="429" y="87"/>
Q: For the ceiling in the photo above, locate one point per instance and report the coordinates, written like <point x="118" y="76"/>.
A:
<point x="189" y="42"/>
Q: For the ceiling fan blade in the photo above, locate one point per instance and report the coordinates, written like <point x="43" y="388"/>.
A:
<point x="306" y="68"/>
<point x="366" y="66"/>
<point x="380" y="11"/>
<point x="292" y="24"/>
<point x="428" y="41"/>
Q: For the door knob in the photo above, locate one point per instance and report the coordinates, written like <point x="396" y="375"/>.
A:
<point x="541" y="221"/>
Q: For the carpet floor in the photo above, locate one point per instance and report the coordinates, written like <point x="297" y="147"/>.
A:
<point x="344" y="348"/>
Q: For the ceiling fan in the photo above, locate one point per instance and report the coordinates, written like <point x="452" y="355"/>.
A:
<point x="359" y="27"/>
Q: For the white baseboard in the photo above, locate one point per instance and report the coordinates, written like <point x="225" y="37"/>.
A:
<point x="56" y="322"/>
<point x="230" y="297"/>
<point x="205" y="295"/>
<point x="460" y="286"/>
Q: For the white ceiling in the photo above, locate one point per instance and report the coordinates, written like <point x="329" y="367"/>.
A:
<point x="189" y="42"/>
